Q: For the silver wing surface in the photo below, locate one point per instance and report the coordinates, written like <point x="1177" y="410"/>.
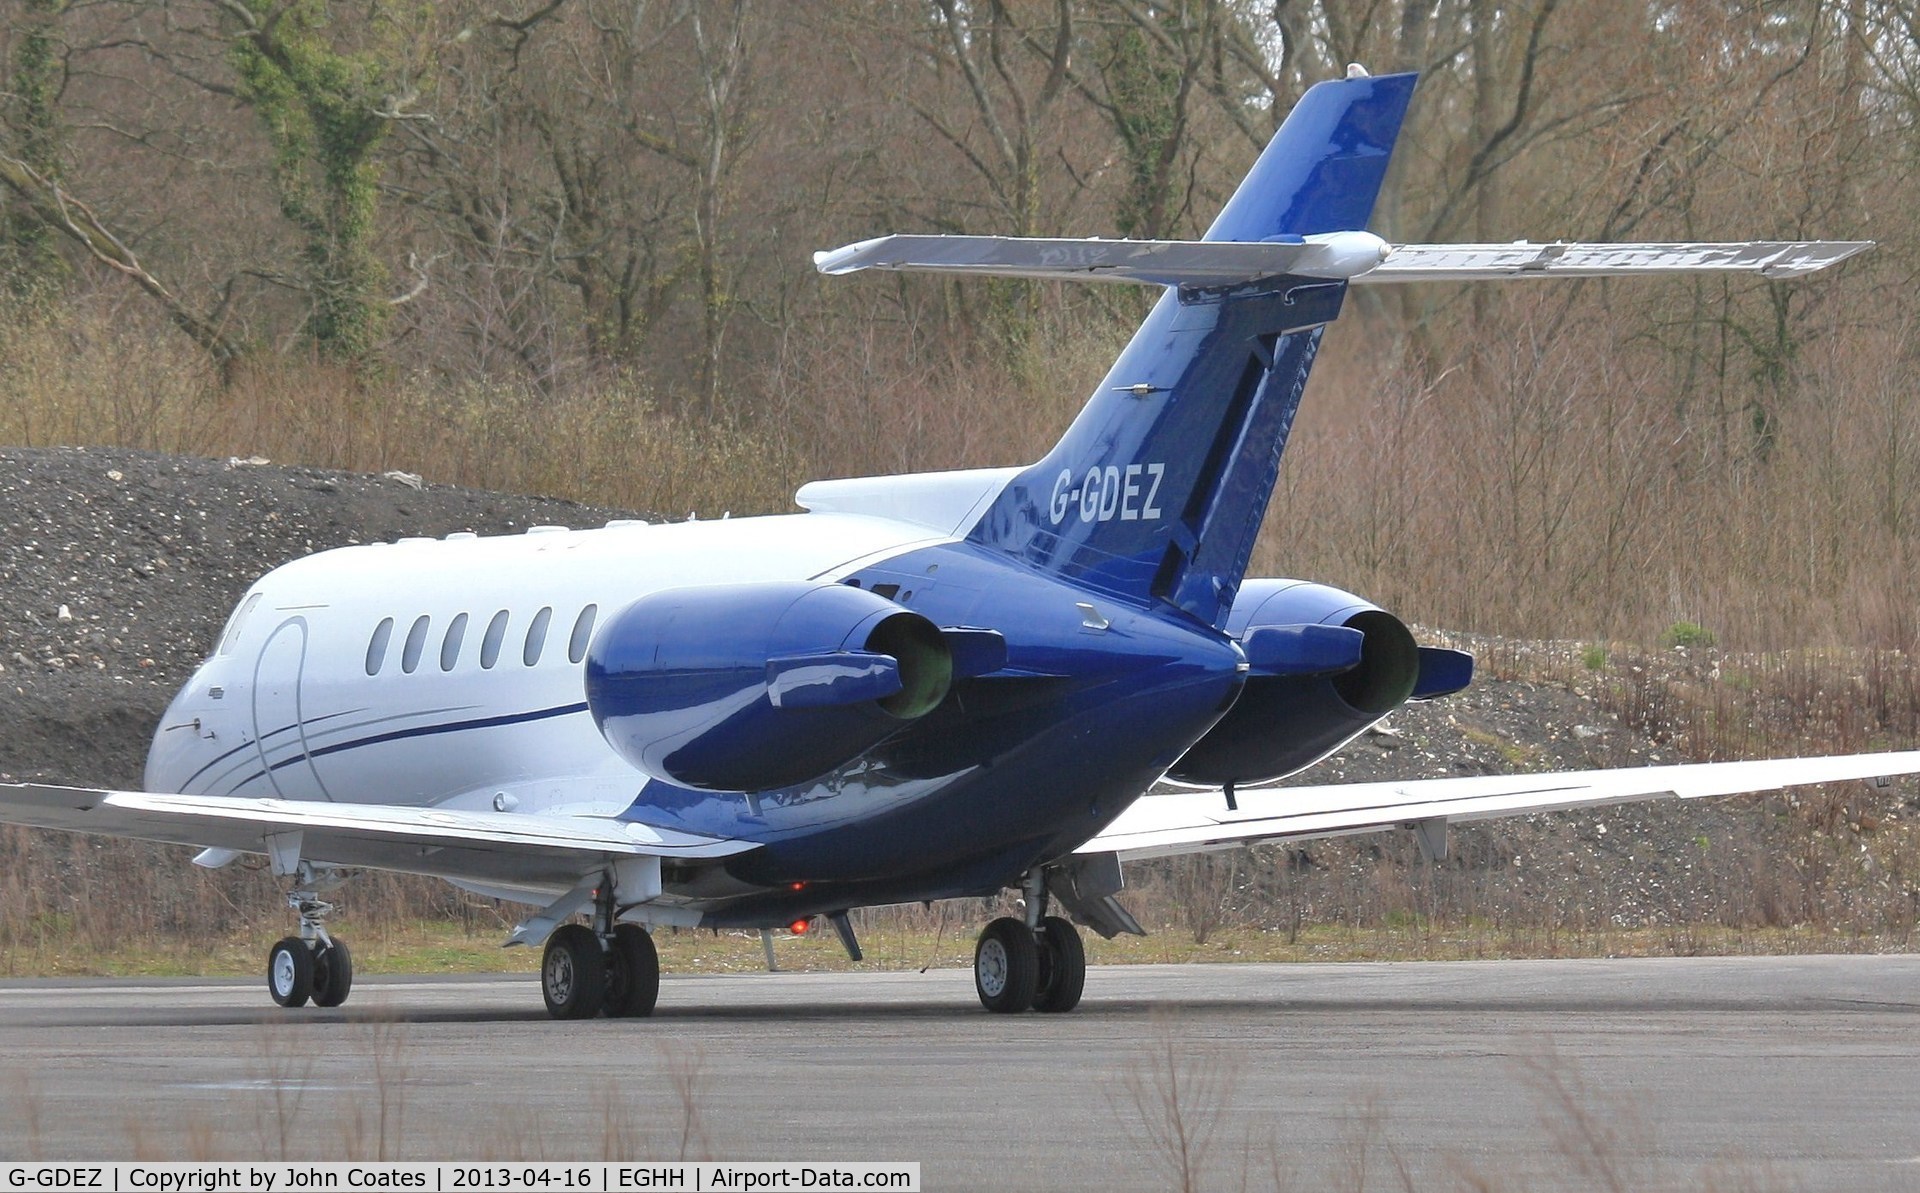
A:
<point x="1145" y="262"/>
<point x="1194" y="821"/>
<point x="1481" y="262"/>
<point x="1360" y="257"/>
<point x="524" y="852"/>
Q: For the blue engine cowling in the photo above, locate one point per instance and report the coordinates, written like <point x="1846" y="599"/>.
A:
<point x="753" y="687"/>
<point x="1324" y="665"/>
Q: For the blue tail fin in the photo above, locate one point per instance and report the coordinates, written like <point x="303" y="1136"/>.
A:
<point x="1158" y="488"/>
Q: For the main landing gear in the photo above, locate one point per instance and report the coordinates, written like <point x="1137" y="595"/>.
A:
<point x="611" y="969"/>
<point x="1035" y="963"/>
<point x="313" y="965"/>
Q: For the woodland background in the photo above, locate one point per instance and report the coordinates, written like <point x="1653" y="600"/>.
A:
<point x="563" y="246"/>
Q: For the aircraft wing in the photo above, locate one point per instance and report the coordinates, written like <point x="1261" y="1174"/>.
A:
<point x="1195" y="821"/>
<point x="518" y="850"/>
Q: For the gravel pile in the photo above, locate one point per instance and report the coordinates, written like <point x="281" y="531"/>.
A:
<point x="118" y="568"/>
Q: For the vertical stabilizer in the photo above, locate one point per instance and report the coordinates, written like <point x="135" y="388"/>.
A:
<point x="1157" y="490"/>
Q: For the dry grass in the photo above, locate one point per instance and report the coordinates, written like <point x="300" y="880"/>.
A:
<point x="78" y="377"/>
<point x="1557" y="484"/>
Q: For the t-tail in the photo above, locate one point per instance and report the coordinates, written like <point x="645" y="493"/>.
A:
<point x="1156" y="492"/>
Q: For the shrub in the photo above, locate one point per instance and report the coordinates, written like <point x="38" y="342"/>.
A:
<point x="1686" y="633"/>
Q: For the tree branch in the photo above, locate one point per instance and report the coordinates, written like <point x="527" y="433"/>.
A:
<point x="59" y="210"/>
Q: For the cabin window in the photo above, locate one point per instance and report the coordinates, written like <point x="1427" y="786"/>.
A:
<point x="377" y="647"/>
<point x="450" y="645"/>
<point x="536" y="637"/>
<point x="416" y="642"/>
<point x="490" y="642"/>
<point x="232" y="636"/>
<point x="582" y="634"/>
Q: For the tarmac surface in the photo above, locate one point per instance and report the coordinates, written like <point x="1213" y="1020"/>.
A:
<point x="1796" y="1072"/>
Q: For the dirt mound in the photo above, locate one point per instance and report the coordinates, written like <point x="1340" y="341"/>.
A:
<point x="118" y="568"/>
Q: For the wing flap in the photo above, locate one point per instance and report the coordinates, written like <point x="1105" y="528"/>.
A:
<point x="1188" y="822"/>
<point x="528" y="851"/>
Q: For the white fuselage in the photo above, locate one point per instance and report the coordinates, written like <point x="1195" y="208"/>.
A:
<point x="449" y="673"/>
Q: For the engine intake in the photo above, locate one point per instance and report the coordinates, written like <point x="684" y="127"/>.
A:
<point x="754" y="687"/>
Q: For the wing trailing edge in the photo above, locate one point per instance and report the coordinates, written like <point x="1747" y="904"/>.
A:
<point x="526" y="852"/>
<point x="1196" y="821"/>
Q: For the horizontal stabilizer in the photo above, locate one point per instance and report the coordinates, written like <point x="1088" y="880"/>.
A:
<point x="975" y="651"/>
<point x="1360" y="257"/>
<point x="1303" y="649"/>
<point x="1442" y="673"/>
<point x="1483" y="262"/>
<point x="1148" y="262"/>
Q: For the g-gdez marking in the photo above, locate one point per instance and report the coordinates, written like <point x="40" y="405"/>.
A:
<point x="927" y="688"/>
<point x="1109" y="492"/>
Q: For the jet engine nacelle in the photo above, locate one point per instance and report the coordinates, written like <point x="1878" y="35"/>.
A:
<point x="752" y="687"/>
<point x="1324" y="665"/>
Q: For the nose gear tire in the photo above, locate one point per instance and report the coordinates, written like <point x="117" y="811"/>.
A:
<point x="332" y="974"/>
<point x="290" y="972"/>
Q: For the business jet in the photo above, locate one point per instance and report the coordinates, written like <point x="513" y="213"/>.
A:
<point x="924" y="687"/>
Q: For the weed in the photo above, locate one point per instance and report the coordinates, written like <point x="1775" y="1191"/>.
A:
<point x="1686" y="634"/>
<point x="1179" y="1094"/>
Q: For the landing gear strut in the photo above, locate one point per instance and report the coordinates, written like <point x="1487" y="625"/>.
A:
<point x="1036" y="963"/>
<point x="311" y="965"/>
<point x="609" y="968"/>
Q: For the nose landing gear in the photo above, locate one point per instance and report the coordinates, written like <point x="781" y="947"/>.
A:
<point x="313" y="965"/>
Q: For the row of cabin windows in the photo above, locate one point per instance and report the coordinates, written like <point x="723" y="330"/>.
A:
<point x="491" y="641"/>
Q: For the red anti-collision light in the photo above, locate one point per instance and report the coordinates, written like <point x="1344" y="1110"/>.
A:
<point x="799" y="927"/>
